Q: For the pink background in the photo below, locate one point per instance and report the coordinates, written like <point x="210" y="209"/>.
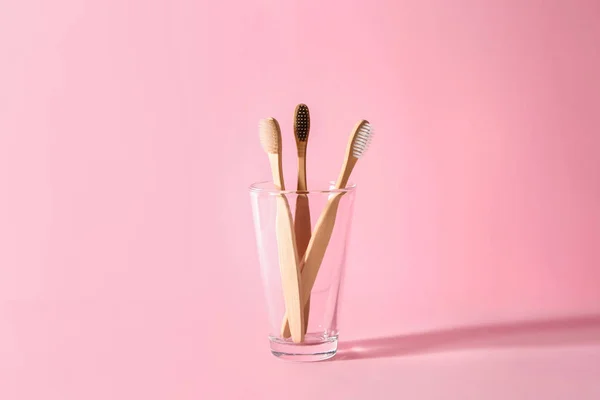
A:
<point x="128" y="137"/>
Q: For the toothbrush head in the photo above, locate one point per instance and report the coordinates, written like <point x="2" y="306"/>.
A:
<point x="363" y="133"/>
<point x="270" y="135"/>
<point x="301" y="123"/>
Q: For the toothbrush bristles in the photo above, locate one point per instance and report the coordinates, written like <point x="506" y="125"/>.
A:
<point x="302" y="122"/>
<point x="269" y="135"/>
<point x="363" y="138"/>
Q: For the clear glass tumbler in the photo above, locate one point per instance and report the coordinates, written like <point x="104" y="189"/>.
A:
<point x="320" y="309"/>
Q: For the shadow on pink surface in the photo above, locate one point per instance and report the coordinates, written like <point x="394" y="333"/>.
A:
<point x="568" y="331"/>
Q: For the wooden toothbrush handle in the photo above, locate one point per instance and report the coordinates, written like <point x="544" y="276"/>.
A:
<point x="303" y="232"/>
<point x="302" y="229"/>
<point x="302" y="224"/>
<point x="289" y="268"/>
<point x="285" y="327"/>
<point x="315" y="251"/>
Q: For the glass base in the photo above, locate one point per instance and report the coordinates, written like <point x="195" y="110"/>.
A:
<point x="314" y="348"/>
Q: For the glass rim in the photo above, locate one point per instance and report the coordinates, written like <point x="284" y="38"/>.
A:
<point x="257" y="188"/>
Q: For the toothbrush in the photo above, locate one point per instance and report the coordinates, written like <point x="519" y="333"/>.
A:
<point x="302" y="226"/>
<point x="270" y="138"/>
<point x="315" y="252"/>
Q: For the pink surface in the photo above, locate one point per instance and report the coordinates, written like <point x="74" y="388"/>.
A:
<point x="128" y="138"/>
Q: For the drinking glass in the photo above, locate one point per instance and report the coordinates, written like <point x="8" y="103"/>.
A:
<point x="322" y="306"/>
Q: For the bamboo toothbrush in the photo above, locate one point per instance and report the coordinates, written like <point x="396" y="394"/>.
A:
<point x="270" y="138"/>
<point x="302" y="226"/>
<point x="302" y="216"/>
<point x="311" y="262"/>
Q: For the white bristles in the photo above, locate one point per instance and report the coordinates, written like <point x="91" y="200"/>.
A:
<point x="362" y="140"/>
<point x="269" y="135"/>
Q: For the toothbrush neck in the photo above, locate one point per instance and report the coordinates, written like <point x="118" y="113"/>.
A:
<point x="302" y="173"/>
<point x="342" y="180"/>
<point x="276" y="170"/>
